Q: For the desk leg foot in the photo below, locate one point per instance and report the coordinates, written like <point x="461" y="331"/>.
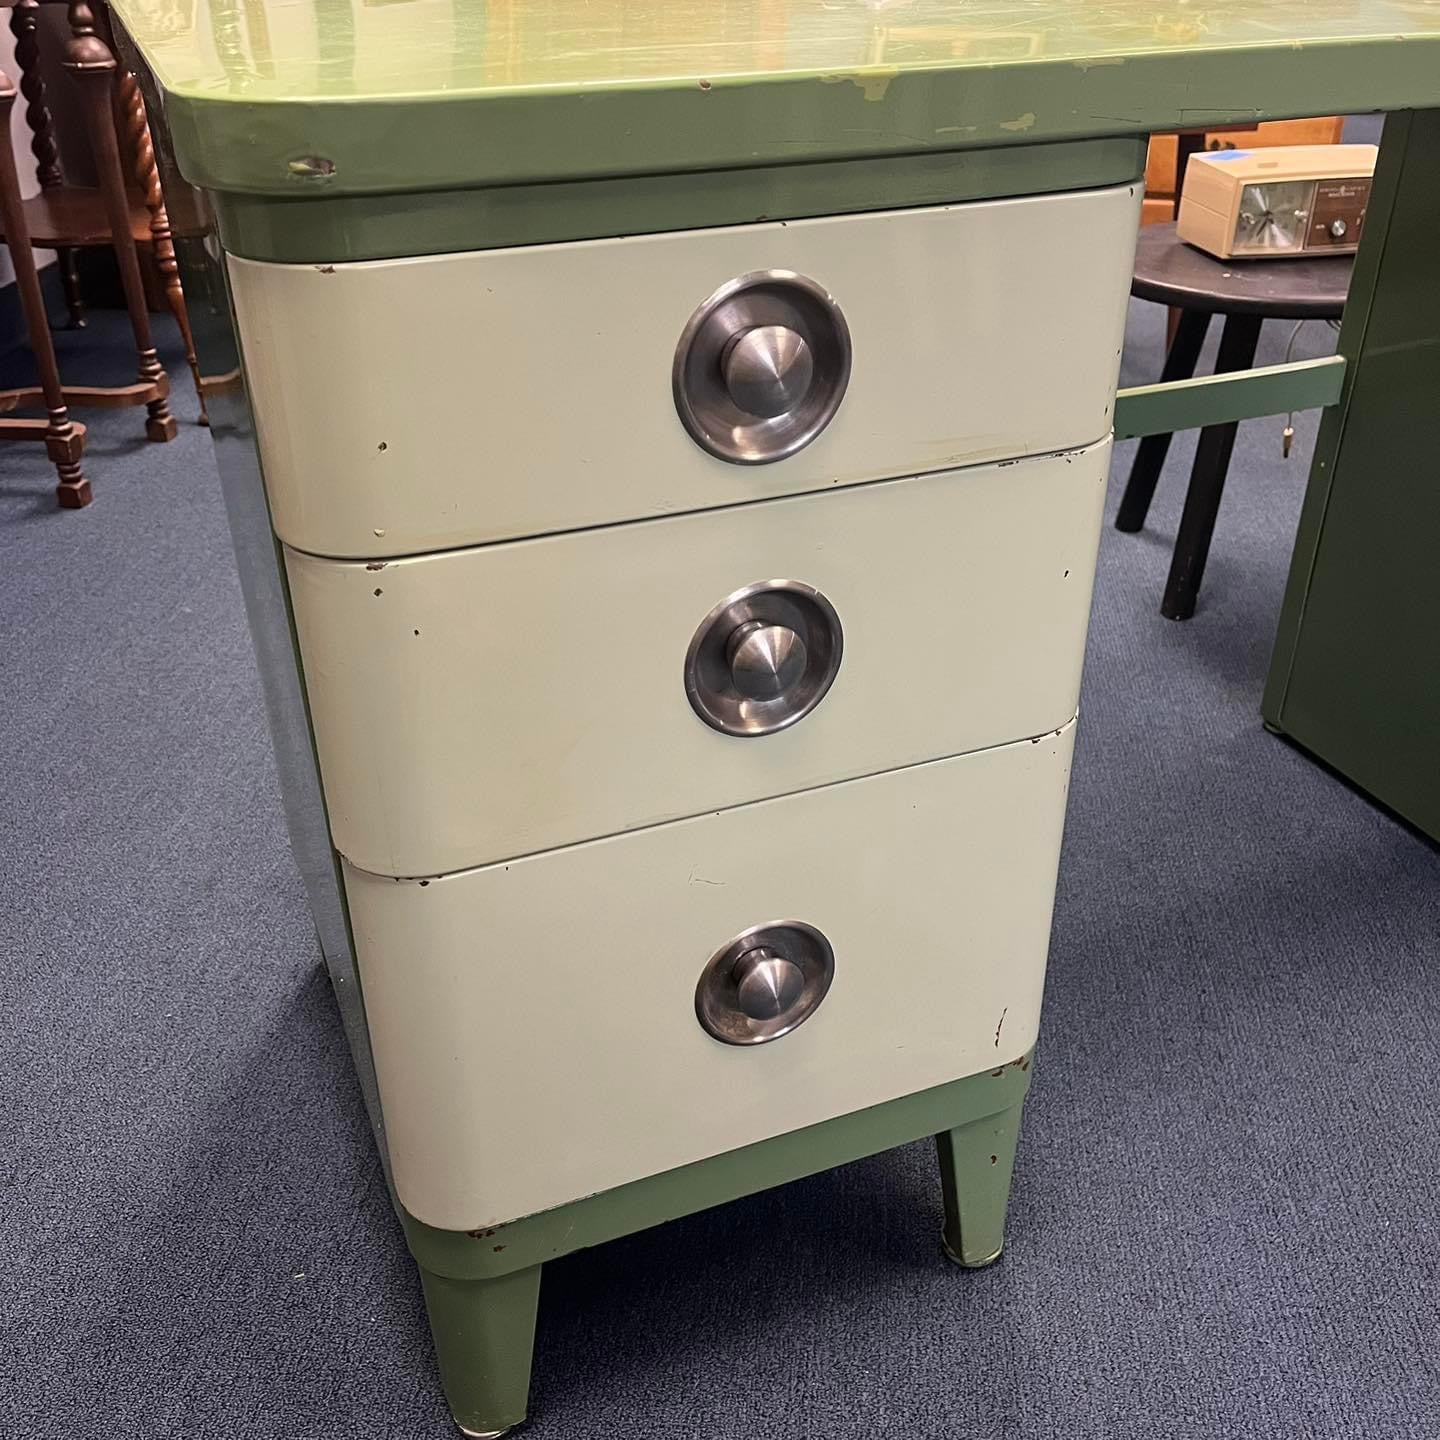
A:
<point x="484" y="1332"/>
<point x="976" y="1161"/>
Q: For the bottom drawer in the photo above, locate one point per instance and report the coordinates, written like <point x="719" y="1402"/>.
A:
<point x="534" y="1023"/>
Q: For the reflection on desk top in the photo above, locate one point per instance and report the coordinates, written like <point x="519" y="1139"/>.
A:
<point x="469" y="92"/>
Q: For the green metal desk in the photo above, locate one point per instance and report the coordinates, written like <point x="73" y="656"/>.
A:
<point x="439" y="213"/>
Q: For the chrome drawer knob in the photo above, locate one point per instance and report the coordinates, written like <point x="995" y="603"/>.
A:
<point x="761" y="367"/>
<point x="767" y="984"/>
<point x="768" y="370"/>
<point x="765" y="660"/>
<point x="763" y="983"/>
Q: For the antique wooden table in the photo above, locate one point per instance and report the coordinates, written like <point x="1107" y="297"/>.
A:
<point x="683" y="430"/>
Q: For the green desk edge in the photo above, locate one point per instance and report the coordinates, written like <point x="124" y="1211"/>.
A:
<point x="335" y="229"/>
<point x="329" y="100"/>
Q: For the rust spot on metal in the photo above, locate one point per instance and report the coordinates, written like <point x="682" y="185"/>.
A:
<point x="994" y="1159"/>
<point x="424" y="882"/>
<point x="996" y="1074"/>
<point x="326" y="269"/>
<point x="482" y="1234"/>
<point x="378" y="590"/>
<point x="704" y="84"/>
<point x="382" y="446"/>
<point x="1001" y="1026"/>
<point x="377" y="564"/>
<point x="498" y="1249"/>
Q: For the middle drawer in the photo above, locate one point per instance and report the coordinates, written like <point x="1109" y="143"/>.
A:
<point x="480" y="704"/>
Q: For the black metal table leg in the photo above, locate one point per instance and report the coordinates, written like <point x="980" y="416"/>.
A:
<point x="1149" y="461"/>
<point x="1207" y="479"/>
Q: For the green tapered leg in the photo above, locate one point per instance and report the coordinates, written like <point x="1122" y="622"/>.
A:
<point x="484" y="1332"/>
<point x="975" y="1165"/>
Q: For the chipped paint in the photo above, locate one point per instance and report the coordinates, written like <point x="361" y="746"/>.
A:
<point x="1096" y="61"/>
<point x="1022" y="122"/>
<point x="872" y="83"/>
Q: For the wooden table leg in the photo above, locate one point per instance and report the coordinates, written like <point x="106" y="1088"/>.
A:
<point x="24" y="20"/>
<point x="1207" y="479"/>
<point x="64" y="440"/>
<point x="1180" y="361"/>
<point x="142" y="150"/>
<point x="89" y="59"/>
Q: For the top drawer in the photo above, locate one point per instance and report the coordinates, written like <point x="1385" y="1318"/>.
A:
<point x="412" y="405"/>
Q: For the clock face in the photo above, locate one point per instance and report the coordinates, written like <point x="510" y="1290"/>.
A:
<point x="1273" y="217"/>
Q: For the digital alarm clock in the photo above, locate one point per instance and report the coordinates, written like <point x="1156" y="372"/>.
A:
<point x="1276" y="203"/>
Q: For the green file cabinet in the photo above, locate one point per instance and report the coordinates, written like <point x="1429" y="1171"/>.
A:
<point x="666" y="496"/>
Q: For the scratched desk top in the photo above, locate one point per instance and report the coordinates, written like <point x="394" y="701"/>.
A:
<point x="422" y="94"/>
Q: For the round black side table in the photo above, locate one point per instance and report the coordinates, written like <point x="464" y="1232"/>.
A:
<point x="1247" y="293"/>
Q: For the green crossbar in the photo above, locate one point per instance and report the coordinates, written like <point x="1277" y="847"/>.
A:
<point x="1216" y="399"/>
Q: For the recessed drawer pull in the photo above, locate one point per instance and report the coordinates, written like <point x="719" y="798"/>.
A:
<point x="763" y="657"/>
<point x="763" y="983"/>
<point x="761" y="367"/>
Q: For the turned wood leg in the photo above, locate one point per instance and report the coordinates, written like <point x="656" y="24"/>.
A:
<point x="484" y="1333"/>
<point x="976" y="1161"/>
<point x="64" y="440"/>
<point x="89" y="59"/>
<point x="24" y="18"/>
<point x="142" y="150"/>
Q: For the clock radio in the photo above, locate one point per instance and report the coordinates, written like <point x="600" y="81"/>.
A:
<point x="1277" y="203"/>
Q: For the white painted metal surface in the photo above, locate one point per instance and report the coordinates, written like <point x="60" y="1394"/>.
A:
<point x="533" y="1022"/>
<point x="980" y="332"/>
<point x="487" y="703"/>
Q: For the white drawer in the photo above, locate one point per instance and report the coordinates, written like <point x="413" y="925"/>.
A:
<point x="421" y="404"/>
<point x="534" y="1023"/>
<point x="482" y="704"/>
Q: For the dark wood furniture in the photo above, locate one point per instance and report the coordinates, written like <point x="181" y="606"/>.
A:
<point x="1247" y="293"/>
<point x="115" y="213"/>
<point x="64" y="439"/>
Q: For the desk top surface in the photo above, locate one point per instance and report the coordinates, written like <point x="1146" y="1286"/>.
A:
<point x="628" y="86"/>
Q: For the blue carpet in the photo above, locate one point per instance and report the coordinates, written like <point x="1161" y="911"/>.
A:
<point x="1224" y="1211"/>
